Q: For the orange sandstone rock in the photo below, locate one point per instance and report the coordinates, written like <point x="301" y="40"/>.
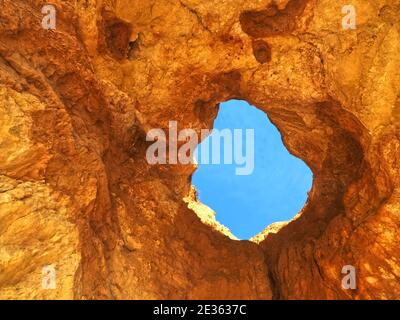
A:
<point x="77" y="193"/>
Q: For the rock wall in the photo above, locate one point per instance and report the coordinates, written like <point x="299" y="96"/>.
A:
<point x="77" y="193"/>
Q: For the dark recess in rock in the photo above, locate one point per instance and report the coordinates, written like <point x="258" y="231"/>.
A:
<point x="261" y="51"/>
<point x="272" y="21"/>
<point x="117" y="36"/>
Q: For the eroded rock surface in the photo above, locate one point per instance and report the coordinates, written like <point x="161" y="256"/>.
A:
<point x="77" y="193"/>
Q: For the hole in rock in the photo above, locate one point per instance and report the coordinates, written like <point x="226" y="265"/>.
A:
<point x="275" y="190"/>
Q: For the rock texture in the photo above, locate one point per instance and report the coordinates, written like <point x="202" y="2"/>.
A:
<point x="77" y="193"/>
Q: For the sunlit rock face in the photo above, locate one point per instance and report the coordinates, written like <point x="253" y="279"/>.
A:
<point x="77" y="193"/>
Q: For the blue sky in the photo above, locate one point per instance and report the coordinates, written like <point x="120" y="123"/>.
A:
<point x="275" y="191"/>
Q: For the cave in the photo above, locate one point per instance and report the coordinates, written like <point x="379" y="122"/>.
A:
<point x="79" y="201"/>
